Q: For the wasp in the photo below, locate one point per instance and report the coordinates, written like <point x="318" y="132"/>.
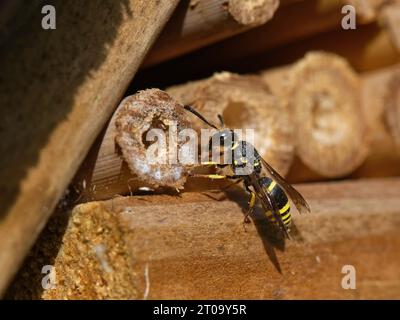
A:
<point x="262" y="182"/>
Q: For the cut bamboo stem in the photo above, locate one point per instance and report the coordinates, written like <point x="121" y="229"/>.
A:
<point x="196" y="24"/>
<point x="245" y="103"/>
<point x="120" y="163"/>
<point x="392" y="101"/>
<point x="311" y="18"/>
<point x="194" y="247"/>
<point x="58" y="88"/>
<point x="366" y="48"/>
<point x="390" y="16"/>
<point x="323" y="95"/>
<point x="367" y="10"/>
<point x="318" y="27"/>
<point x="379" y="104"/>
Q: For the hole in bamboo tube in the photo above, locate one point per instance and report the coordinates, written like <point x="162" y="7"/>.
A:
<point x="331" y="132"/>
<point x="236" y="115"/>
<point x="137" y="115"/>
<point x="156" y="123"/>
<point x="328" y="125"/>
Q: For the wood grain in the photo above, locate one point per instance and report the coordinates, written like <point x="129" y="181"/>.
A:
<point x="196" y="24"/>
<point x="196" y="247"/>
<point x="58" y="88"/>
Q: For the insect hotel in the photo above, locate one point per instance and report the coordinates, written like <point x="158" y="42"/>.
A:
<point x="203" y="149"/>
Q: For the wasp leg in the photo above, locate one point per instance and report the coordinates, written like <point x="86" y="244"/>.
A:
<point x="213" y="176"/>
<point x="209" y="163"/>
<point x="216" y="164"/>
<point x="252" y="202"/>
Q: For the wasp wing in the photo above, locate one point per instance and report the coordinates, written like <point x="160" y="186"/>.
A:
<point x="269" y="204"/>
<point x="298" y="200"/>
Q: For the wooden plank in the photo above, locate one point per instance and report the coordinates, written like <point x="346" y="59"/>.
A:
<point x="57" y="89"/>
<point x="196" y="247"/>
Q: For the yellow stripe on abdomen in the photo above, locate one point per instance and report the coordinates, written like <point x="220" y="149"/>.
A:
<point x="271" y="186"/>
<point x="284" y="213"/>
<point x="285" y="208"/>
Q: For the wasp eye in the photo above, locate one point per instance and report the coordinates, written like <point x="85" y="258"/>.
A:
<point x="222" y="138"/>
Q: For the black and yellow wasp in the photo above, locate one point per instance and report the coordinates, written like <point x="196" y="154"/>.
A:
<point x="261" y="181"/>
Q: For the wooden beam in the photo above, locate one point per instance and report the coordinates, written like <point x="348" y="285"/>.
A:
<point x="196" y="247"/>
<point x="58" y="88"/>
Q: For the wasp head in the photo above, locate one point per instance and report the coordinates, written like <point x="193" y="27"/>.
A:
<point x="224" y="138"/>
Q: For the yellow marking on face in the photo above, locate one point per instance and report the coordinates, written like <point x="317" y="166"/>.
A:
<point x="252" y="200"/>
<point x="244" y="160"/>
<point x="272" y="186"/>
<point x="235" y="145"/>
<point x="216" y="176"/>
<point x="285" y="208"/>
<point x="256" y="164"/>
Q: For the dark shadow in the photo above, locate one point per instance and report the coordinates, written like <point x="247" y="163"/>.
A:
<point x="27" y="284"/>
<point x="271" y="237"/>
<point x="254" y="57"/>
<point x="41" y="72"/>
<point x="295" y="233"/>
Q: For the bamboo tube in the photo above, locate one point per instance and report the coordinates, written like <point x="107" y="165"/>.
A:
<point x="367" y="10"/>
<point x="58" y="88"/>
<point x="311" y="18"/>
<point x="367" y="48"/>
<point x="194" y="247"/>
<point x="318" y="27"/>
<point x="378" y="97"/>
<point x="323" y="94"/>
<point x="378" y="89"/>
<point x="393" y="107"/>
<point x="119" y="163"/>
<point x="196" y="24"/>
<point x="390" y="16"/>
<point x="244" y="102"/>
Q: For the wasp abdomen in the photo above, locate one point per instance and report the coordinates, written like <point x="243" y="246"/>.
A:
<point x="280" y="198"/>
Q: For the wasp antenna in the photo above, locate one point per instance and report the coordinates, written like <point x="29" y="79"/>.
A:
<point x="221" y="120"/>
<point x="189" y="108"/>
